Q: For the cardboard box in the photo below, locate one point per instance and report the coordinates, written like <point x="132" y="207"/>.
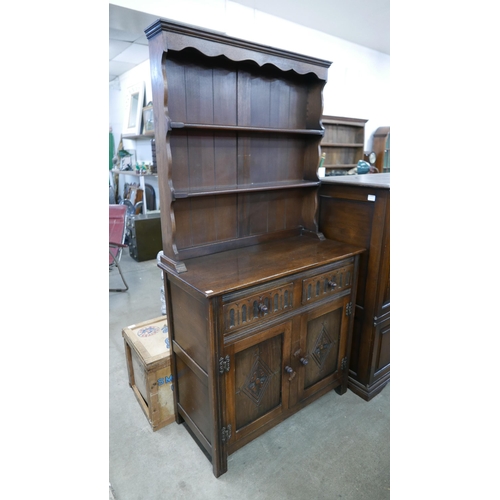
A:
<point x="147" y="351"/>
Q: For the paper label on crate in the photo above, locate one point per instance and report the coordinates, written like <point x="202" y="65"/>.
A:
<point x="147" y="331"/>
<point x="371" y="197"/>
<point x="153" y="338"/>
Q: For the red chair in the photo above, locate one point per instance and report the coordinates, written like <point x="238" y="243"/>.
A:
<point x="117" y="226"/>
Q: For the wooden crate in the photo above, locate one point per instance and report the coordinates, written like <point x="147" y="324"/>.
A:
<point x="147" y="352"/>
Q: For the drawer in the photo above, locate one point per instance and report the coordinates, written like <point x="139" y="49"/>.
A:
<point x="250" y="309"/>
<point x="322" y="285"/>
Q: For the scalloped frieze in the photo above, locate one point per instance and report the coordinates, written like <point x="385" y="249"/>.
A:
<point x="213" y="44"/>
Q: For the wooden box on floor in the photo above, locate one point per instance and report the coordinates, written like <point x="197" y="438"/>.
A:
<point x="147" y="352"/>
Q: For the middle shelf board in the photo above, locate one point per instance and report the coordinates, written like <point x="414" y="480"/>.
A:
<point x="341" y="165"/>
<point x="342" y="145"/>
<point x="245" y="188"/>
<point x="237" y="128"/>
<point x="132" y="172"/>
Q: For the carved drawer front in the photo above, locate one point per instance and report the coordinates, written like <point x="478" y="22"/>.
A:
<point x="322" y="285"/>
<point x="249" y="310"/>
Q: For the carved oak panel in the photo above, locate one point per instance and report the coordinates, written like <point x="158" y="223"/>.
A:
<point x="321" y="285"/>
<point x="256" y="307"/>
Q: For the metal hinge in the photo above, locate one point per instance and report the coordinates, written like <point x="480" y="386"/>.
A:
<point x="348" y="309"/>
<point x="225" y="433"/>
<point x="224" y="364"/>
<point x="343" y="364"/>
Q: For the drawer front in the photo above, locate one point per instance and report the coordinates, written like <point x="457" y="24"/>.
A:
<point x="325" y="284"/>
<point x="253" y="308"/>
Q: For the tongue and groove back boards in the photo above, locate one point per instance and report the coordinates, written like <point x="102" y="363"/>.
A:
<point x="238" y="127"/>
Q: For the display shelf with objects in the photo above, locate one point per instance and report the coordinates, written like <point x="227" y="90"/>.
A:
<point x="259" y="303"/>
<point x="139" y="181"/>
<point x="343" y="143"/>
<point x="137" y="171"/>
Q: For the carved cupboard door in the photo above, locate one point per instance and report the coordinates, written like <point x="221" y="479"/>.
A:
<point x="323" y="344"/>
<point x="257" y="384"/>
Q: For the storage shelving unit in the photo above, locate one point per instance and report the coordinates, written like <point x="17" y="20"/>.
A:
<point x="138" y="144"/>
<point x="342" y="143"/>
<point x="259" y="303"/>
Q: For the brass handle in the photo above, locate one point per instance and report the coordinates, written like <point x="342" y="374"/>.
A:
<point x="332" y="284"/>
<point x="304" y="361"/>
<point x="263" y="308"/>
<point x="288" y="369"/>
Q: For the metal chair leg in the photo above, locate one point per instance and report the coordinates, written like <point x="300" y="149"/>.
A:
<point x="121" y="274"/>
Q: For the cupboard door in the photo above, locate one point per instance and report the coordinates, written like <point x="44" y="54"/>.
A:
<point x="323" y="344"/>
<point x="257" y="384"/>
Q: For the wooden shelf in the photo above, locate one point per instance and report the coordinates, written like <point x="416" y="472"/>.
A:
<point x="343" y="142"/>
<point x="131" y="172"/>
<point x="238" y="128"/>
<point x="149" y="135"/>
<point x="239" y="145"/>
<point x="351" y="122"/>
<point x="342" y="165"/>
<point x="246" y="188"/>
<point x="342" y="145"/>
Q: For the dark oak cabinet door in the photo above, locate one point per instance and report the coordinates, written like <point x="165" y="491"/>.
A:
<point x="257" y="383"/>
<point x="323" y="347"/>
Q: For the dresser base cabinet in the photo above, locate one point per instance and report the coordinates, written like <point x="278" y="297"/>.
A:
<point x="250" y="346"/>
<point x="356" y="209"/>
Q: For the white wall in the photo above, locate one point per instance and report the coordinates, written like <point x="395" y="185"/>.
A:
<point x="358" y="79"/>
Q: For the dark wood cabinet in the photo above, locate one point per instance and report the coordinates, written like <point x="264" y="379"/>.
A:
<point x="259" y="303"/>
<point x="356" y="210"/>
<point x="257" y="334"/>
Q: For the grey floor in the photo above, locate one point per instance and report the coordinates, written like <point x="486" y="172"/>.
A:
<point x="336" y="448"/>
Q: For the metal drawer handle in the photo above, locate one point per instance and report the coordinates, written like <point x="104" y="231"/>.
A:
<point x="290" y="372"/>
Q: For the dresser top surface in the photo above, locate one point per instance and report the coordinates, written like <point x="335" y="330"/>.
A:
<point x="237" y="269"/>
<point x="368" y="180"/>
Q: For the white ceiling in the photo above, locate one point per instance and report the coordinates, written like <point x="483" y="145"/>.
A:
<point x="364" y="22"/>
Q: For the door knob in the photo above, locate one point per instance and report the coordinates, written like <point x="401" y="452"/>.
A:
<point x="302" y="359"/>
<point x="290" y="372"/>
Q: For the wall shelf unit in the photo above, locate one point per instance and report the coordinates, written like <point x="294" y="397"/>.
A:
<point x="343" y="143"/>
<point x="142" y="147"/>
<point x="141" y="178"/>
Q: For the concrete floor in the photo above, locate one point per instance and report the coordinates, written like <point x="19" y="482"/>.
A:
<point x="336" y="448"/>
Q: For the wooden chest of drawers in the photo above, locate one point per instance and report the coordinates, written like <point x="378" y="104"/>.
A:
<point x="257" y="334"/>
